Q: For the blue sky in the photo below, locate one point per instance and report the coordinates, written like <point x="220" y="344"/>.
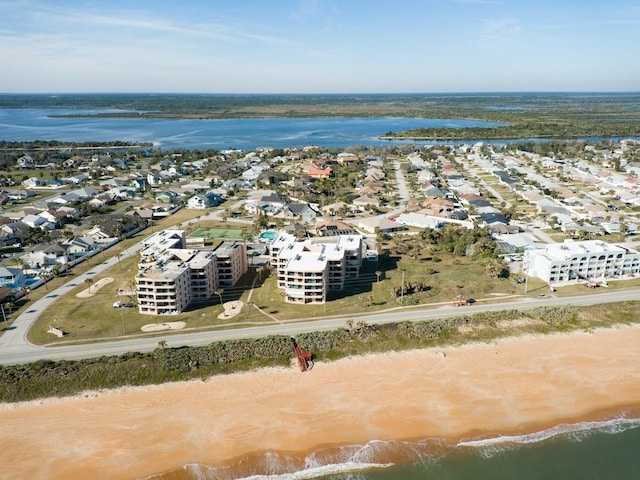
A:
<point x="319" y="46"/>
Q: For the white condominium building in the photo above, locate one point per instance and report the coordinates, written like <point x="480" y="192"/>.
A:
<point x="170" y="276"/>
<point x="163" y="291"/>
<point x="586" y="260"/>
<point x="308" y="270"/>
<point x="231" y="263"/>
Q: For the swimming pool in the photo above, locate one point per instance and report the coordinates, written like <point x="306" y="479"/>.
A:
<point x="268" y="235"/>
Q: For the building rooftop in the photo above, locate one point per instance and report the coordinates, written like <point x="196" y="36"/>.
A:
<point x="560" y="251"/>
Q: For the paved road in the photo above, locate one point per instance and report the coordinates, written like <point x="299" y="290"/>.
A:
<point x="15" y="350"/>
<point x="13" y="343"/>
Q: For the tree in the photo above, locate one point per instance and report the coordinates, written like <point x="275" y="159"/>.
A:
<point x="89" y="281"/>
<point x="219" y="292"/>
<point x="246" y="234"/>
<point x="43" y="276"/>
<point x="261" y="222"/>
<point x="25" y="289"/>
<point x="56" y="270"/>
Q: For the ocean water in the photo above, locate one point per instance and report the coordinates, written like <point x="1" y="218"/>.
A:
<point x="608" y="449"/>
<point x="32" y="124"/>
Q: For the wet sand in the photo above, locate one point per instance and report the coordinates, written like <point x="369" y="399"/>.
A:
<point x="517" y="385"/>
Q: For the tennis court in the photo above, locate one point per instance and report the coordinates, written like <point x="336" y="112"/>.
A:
<point x="224" y="233"/>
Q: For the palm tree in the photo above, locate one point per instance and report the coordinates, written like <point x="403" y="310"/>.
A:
<point x="26" y="291"/>
<point x="43" y="276"/>
<point x="246" y="234"/>
<point x="20" y="263"/>
<point x="56" y="269"/>
<point x="378" y="273"/>
<point x="89" y="281"/>
<point x="219" y="292"/>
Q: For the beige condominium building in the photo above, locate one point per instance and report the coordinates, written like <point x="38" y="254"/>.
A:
<point x="307" y="270"/>
<point x="171" y="276"/>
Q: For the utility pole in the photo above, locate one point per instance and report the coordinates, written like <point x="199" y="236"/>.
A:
<point x="402" y="289"/>
<point x="124" y="327"/>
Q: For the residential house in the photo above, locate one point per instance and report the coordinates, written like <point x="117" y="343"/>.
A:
<point x="20" y="194"/>
<point x="154" y="179"/>
<point x="140" y="183"/>
<point x="36" y="221"/>
<point x="345" y="157"/>
<point x="253" y="173"/>
<point x="15" y="230"/>
<point x="25" y="162"/>
<point x="33" y="182"/>
<point x="102" y="200"/>
<point x="76" y="179"/>
<point x="202" y="201"/>
<point x="320" y="172"/>
<point x="167" y="196"/>
<point x="264" y="201"/>
<point x="365" y="201"/>
<point x="110" y="229"/>
<point x="303" y="212"/>
<point x="80" y="246"/>
<point x="380" y="224"/>
<point x="41" y="256"/>
<point x="338" y="208"/>
<point x="334" y="229"/>
<point x="11" y="277"/>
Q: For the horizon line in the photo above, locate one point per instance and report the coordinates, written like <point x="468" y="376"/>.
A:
<point x="469" y="92"/>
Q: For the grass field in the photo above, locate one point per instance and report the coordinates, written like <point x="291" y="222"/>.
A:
<point x="86" y="319"/>
<point x="445" y="276"/>
<point x="218" y="233"/>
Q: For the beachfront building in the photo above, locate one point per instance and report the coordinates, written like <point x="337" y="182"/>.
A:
<point x="171" y="276"/>
<point x="585" y="260"/>
<point x="163" y="290"/>
<point x="308" y="269"/>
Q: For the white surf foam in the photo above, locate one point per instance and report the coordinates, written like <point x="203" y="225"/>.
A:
<point x="575" y="431"/>
<point x="315" y="472"/>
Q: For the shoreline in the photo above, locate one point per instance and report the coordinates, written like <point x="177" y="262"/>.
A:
<point x="511" y="386"/>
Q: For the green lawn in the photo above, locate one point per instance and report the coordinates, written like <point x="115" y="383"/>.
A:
<point x="215" y="233"/>
<point x="86" y="319"/>
<point x="442" y="275"/>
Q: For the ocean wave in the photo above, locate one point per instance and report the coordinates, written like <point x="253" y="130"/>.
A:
<point x="315" y="472"/>
<point x="356" y="459"/>
<point x="571" y="431"/>
<point x="202" y="472"/>
<point x="344" y="460"/>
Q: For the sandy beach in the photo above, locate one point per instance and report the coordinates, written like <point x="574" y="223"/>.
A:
<point x="510" y="386"/>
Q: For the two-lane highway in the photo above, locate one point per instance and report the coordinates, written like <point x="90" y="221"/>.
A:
<point x="17" y="350"/>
